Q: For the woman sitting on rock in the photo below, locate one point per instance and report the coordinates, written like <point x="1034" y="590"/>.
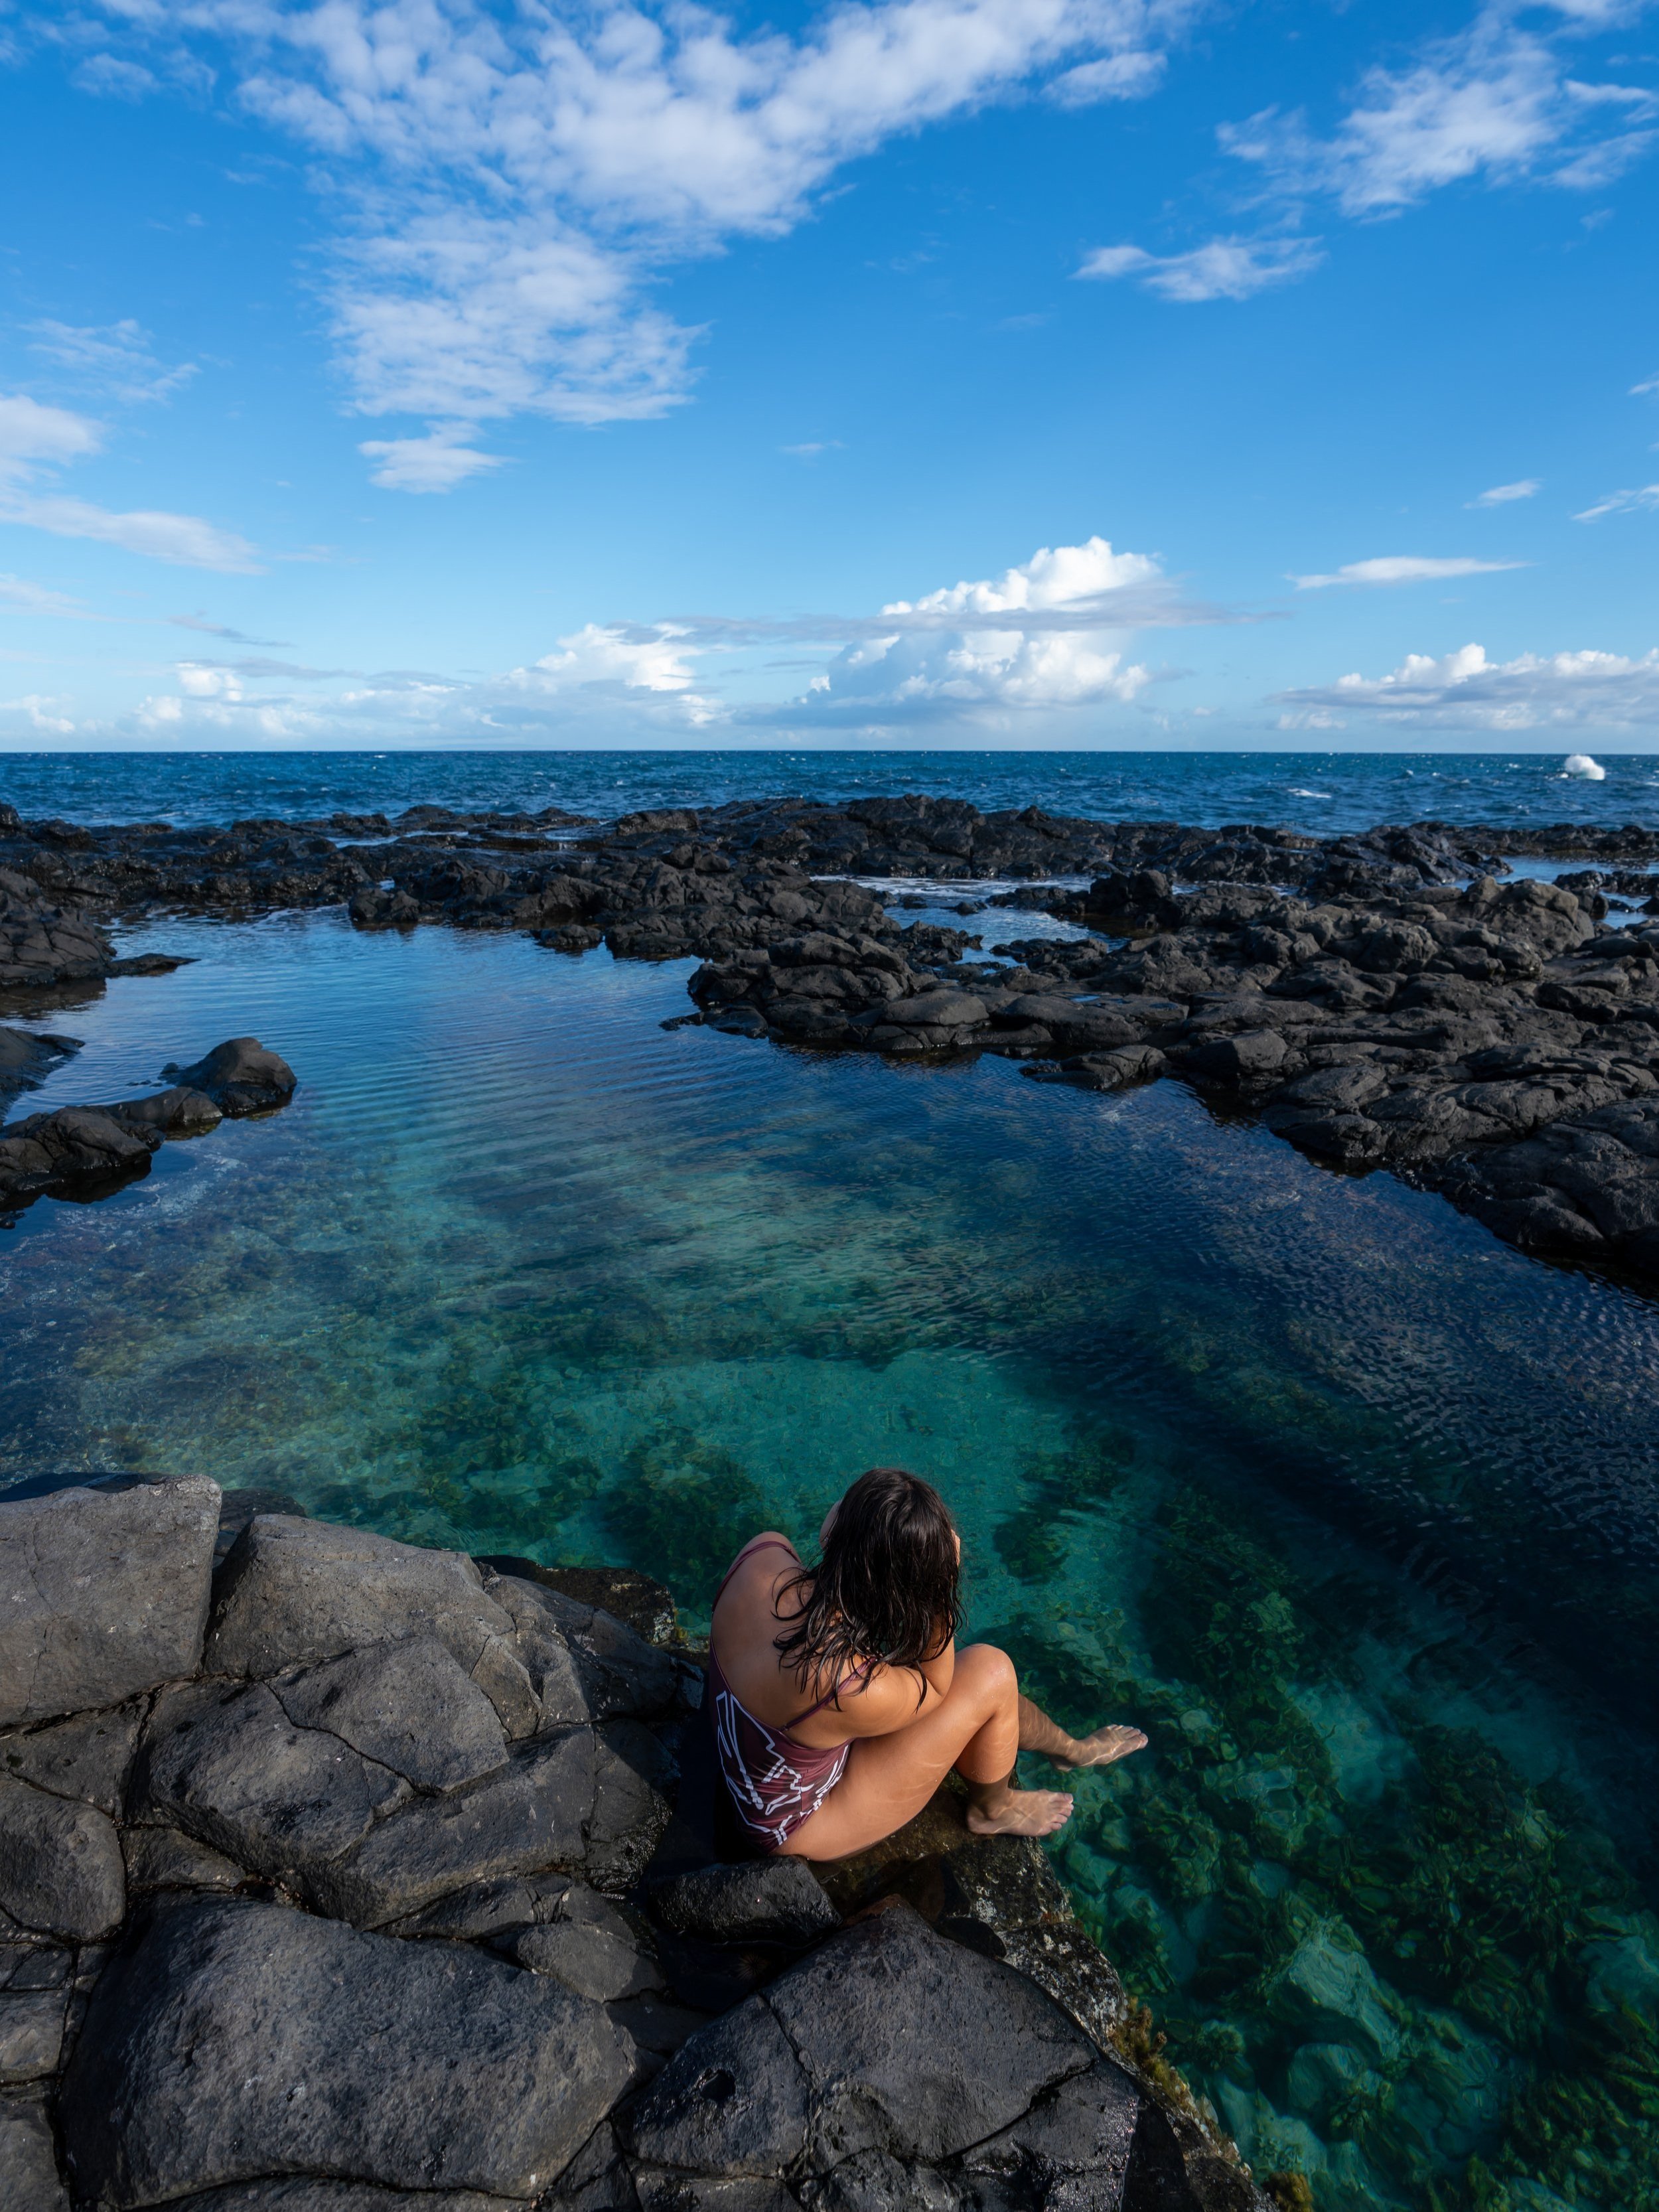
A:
<point x="840" y="1701"/>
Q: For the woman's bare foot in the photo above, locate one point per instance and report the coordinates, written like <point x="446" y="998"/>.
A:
<point x="1101" y="1748"/>
<point x="1006" y="1812"/>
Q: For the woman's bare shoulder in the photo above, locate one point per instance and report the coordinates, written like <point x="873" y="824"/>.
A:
<point x="885" y="1701"/>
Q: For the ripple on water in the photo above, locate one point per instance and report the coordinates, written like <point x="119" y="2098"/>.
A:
<point x="1352" y="1507"/>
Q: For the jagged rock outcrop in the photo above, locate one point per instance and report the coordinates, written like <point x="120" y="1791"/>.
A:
<point x="356" y="1877"/>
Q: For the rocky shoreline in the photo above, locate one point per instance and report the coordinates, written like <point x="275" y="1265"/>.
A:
<point x="349" y="1876"/>
<point x="1384" y="1001"/>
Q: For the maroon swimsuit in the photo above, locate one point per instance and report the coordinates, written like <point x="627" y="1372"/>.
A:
<point x="774" y="1783"/>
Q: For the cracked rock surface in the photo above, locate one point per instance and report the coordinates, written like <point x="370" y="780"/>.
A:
<point x="358" y="1877"/>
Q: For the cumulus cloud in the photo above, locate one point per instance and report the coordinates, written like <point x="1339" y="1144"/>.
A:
<point x="1049" y="635"/>
<point x="1465" y="690"/>
<point x="1622" y="502"/>
<point x="507" y="183"/>
<point x="1495" y="102"/>
<point x="1225" y="269"/>
<point x="1402" y="569"/>
<point x="1504" y="494"/>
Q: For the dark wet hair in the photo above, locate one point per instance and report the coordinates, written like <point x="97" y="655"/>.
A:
<point x="888" y="1586"/>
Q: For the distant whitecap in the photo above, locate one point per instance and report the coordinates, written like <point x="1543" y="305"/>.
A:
<point x="1581" y="764"/>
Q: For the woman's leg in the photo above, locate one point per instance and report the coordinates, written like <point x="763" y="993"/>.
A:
<point x="889" y="1778"/>
<point x="1039" y="1734"/>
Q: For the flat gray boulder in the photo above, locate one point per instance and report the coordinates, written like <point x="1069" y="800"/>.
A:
<point x="533" y="1816"/>
<point x="240" y="2042"/>
<point x="410" y="1705"/>
<point x="239" y="1076"/>
<point x="89" y="1756"/>
<point x="223" y="1762"/>
<point x="102" y="1593"/>
<point x="295" y="1591"/>
<point x="61" y="1869"/>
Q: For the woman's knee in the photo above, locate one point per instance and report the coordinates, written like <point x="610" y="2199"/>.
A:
<point x="988" y="1672"/>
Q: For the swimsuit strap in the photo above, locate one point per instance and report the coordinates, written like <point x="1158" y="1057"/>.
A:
<point x="760" y="1544"/>
<point x="829" y="1696"/>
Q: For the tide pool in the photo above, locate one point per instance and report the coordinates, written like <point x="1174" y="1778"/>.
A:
<point x="1350" y="1506"/>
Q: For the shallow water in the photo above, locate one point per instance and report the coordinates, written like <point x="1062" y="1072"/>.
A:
<point x="1351" y="1505"/>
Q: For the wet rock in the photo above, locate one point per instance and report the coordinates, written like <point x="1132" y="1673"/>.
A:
<point x="1114" y="1070"/>
<point x="374" y="909"/>
<point x="178" y="1112"/>
<point x="239" y="1077"/>
<point x="106" y="1593"/>
<point x="240" y="2041"/>
<point x="27" y="1057"/>
<point x="408" y="1705"/>
<point x="61" y="1871"/>
<point x="778" y="1900"/>
<point x="29" y="2180"/>
<point x="79" y="1150"/>
<point x="1254" y="1056"/>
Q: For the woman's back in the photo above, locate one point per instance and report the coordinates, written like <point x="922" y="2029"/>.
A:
<point x="755" y="1606"/>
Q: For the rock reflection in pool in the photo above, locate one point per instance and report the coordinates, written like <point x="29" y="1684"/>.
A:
<point x="521" y="1272"/>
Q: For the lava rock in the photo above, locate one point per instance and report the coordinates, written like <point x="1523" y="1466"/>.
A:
<point x="239" y="1077"/>
<point x="29" y="2180"/>
<point x="236" y="2041"/>
<point x="106" y="1593"/>
<point x="408" y="1705"/>
<point x="778" y="1900"/>
<point x="61" y="1870"/>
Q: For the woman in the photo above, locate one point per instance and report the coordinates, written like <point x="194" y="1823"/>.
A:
<point x="840" y="1701"/>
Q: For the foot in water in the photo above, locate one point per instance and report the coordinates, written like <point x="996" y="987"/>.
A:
<point x="1020" y="1812"/>
<point x="1101" y="1748"/>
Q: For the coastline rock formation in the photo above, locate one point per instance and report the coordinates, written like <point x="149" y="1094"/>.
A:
<point x="354" y="1877"/>
<point x="86" y="1152"/>
<point x="1384" y="999"/>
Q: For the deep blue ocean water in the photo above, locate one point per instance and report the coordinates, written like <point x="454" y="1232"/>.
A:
<point x="1356" y="1510"/>
<point x="1323" y="793"/>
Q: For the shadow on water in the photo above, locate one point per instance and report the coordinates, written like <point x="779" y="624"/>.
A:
<point x="1351" y="1506"/>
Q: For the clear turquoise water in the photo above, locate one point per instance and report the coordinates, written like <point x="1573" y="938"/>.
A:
<point x="1351" y="1506"/>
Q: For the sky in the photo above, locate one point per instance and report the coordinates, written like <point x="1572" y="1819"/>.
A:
<point x="955" y="372"/>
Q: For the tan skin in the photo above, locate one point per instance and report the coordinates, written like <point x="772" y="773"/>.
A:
<point x="970" y="1715"/>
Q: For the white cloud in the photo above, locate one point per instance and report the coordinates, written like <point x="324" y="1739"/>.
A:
<point x="1403" y="568"/>
<point x="18" y="596"/>
<point x="437" y="462"/>
<point x="1036" y="636"/>
<point x="108" y="77"/>
<point x="1465" y="690"/>
<point x="1121" y="76"/>
<point x="184" y="539"/>
<point x="1225" y="269"/>
<point x="1646" y="498"/>
<point x="32" y="436"/>
<point x="602" y="653"/>
<point x="1503" y="495"/>
<point x="36" y="713"/>
<point x="1494" y="102"/>
<point x="518" y="177"/>
<point x="1648" y="385"/>
<point x="119" y="358"/>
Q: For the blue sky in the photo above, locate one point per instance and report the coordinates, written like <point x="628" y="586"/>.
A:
<point x="923" y="372"/>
